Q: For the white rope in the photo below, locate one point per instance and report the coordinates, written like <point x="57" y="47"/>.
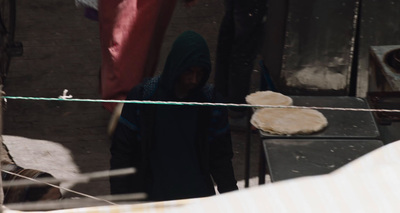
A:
<point x="66" y="97"/>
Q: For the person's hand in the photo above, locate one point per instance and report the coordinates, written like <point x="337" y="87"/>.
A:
<point x="190" y="3"/>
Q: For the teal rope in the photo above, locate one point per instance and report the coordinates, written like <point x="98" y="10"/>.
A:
<point x="127" y="101"/>
<point x="196" y="104"/>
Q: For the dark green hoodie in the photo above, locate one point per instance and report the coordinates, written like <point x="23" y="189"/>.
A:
<point x="177" y="149"/>
<point x="189" y="50"/>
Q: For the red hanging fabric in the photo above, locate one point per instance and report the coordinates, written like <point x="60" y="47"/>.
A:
<point x="131" y="34"/>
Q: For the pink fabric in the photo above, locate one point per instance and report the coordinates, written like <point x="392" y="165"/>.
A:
<point x="131" y="34"/>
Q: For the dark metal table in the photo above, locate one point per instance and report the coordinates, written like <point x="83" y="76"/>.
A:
<point x="291" y="158"/>
<point x="341" y="124"/>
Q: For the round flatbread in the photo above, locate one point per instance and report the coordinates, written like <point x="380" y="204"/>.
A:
<point x="268" y="98"/>
<point x="286" y="121"/>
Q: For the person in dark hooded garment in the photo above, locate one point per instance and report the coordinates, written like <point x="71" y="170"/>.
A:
<point x="179" y="151"/>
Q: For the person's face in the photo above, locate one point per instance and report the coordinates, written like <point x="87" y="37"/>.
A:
<point x="189" y="80"/>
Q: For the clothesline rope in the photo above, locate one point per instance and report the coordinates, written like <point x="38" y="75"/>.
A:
<point x="67" y="98"/>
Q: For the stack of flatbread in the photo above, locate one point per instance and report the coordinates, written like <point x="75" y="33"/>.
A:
<point x="283" y="121"/>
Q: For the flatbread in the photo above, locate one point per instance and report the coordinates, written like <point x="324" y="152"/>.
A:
<point x="268" y="98"/>
<point x="286" y="121"/>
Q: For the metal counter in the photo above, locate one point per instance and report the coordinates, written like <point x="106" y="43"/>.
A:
<point x="345" y="126"/>
<point x="291" y="158"/>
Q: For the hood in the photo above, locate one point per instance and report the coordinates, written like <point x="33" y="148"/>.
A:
<point x="189" y="50"/>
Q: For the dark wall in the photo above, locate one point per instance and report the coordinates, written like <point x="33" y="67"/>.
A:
<point x="317" y="45"/>
<point x="320" y="47"/>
